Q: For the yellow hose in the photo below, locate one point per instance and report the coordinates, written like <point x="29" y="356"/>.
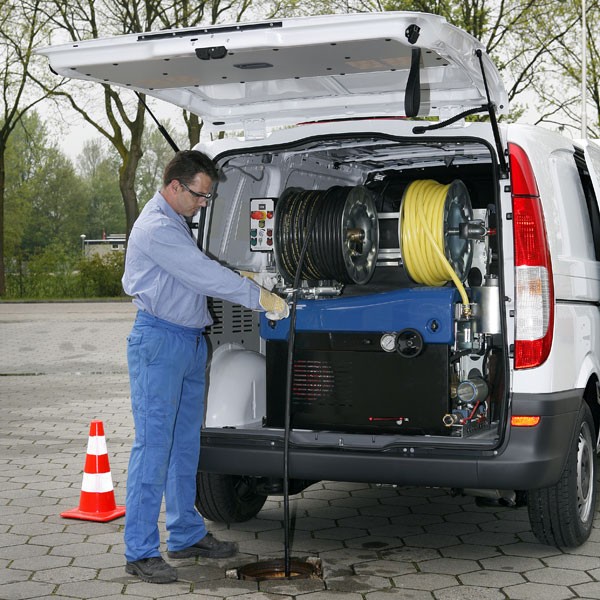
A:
<point x="422" y="235"/>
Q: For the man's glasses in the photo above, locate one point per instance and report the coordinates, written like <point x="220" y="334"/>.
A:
<point x="197" y="194"/>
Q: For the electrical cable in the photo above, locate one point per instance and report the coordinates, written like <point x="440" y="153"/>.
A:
<point x="422" y="235"/>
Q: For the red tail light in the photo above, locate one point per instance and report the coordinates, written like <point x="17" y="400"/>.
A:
<point x="534" y="315"/>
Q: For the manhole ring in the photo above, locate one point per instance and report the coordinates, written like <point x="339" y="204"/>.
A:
<point x="275" y="569"/>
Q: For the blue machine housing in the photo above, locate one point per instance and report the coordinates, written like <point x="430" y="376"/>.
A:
<point x="428" y="310"/>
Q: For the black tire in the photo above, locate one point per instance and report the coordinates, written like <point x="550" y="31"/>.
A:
<point x="562" y="515"/>
<point x="227" y="498"/>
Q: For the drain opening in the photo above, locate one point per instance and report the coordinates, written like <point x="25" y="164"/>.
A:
<point x="275" y="569"/>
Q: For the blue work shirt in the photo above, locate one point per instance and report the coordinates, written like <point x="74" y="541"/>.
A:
<point x="169" y="277"/>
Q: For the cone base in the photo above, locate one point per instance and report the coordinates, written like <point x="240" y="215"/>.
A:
<point x="101" y="517"/>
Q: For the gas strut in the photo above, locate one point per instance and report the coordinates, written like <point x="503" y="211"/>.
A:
<point x="163" y="131"/>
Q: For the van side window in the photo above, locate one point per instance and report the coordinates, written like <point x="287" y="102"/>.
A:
<point x="590" y="199"/>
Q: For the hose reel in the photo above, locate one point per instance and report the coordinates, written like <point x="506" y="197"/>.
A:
<point x="435" y="232"/>
<point x="344" y="242"/>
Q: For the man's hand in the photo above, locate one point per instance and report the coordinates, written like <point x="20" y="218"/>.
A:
<point x="275" y="306"/>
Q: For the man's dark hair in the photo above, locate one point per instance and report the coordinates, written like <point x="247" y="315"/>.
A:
<point x="185" y="165"/>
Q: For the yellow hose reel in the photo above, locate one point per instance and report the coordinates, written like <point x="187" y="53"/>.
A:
<point x="431" y="216"/>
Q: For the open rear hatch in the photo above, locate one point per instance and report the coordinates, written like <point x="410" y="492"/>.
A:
<point x="284" y="72"/>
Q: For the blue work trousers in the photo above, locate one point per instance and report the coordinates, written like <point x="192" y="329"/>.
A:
<point x="167" y="375"/>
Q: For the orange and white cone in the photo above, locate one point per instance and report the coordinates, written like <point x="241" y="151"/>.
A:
<point x="97" y="500"/>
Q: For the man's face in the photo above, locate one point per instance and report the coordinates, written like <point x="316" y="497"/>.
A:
<point x="185" y="202"/>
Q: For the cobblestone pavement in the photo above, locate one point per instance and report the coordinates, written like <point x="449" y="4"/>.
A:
<point x="62" y="365"/>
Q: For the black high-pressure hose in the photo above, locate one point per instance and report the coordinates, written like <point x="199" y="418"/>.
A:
<point x="288" y="395"/>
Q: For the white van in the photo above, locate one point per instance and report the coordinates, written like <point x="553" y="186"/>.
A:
<point x="446" y="272"/>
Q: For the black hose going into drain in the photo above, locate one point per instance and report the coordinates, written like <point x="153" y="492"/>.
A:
<point x="288" y="394"/>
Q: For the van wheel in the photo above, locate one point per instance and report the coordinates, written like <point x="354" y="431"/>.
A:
<point x="563" y="514"/>
<point x="227" y="498"/>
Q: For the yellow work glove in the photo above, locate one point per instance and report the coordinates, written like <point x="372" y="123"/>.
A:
<point x="264" y="279"/>
<point x="275" y="306"/>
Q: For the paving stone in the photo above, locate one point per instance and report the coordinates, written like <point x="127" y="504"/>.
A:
<point x="400" y="594"/>
<point x="414" y="520"/>
<point x="557" y="576"/>
<point x="331" y="595"/>
<point x="340" y="533"/>
<point x="465" y="592"/>
<point x="494" y="579"/>
<point x="384" y="568"/>
<point x="23" y="551"/>
<point x="469" y="551"/>
<point x="99" y="561"/>
<point x="447" y="528"/>
<point x="535" y="591"/>
<point x="374" y="541"/>
<point x="78" y="549"/>
<point x="27" y="589"/>
<point x="363" y="522"/>
<point x="13" y="575"/>
<point x="411" y="554"/>
<point x="64" y="574"/>
<point x="534" y="550"/>
<point x="448" y="566"/>
<point x="430" y="540"/>
<point x="511" y="563"/>
<point x="425" y="581"/>
<point x="11" y="539"/>
<point x="358" y="583"/>
<point x="293" y="587"/>
<point x="33" y="529"/>
<point x="90" y="589"/>
<point x="588" y="590"/>
<point x="40" y="562"/>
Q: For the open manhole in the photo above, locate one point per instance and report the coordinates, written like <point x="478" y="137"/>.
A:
<point x="275" y="569"/>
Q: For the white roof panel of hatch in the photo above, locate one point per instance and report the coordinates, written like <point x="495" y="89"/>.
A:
<point x="293" y="70"/>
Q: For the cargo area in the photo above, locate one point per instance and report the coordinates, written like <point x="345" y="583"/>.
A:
<point x="389" y="343"/>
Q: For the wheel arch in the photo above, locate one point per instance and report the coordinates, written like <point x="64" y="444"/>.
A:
<point x="591" y="396"/>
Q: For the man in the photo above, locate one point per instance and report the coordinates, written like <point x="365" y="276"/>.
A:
<point x="169" y="279"/>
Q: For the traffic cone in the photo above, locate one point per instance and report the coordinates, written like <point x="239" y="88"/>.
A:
<point x="97" y="500"/>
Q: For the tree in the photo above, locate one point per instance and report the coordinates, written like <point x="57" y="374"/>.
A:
<point x="22" y="27"/>
<point x="156" y="155"/>
<point x="58" y="206"/>
<point x="123" y="118"/>
<point x="561" y="93"/>
<point x="98" y="167"/>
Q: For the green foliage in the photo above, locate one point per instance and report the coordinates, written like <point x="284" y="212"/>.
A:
<point x="101" y="275"/>
<point x="50" y="273"/>
<point x="56" y="274"/>
<point x="157" y="153"/>
<point x="99" y="168"/>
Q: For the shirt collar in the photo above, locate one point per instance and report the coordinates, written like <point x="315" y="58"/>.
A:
<point x="167" y="208"/>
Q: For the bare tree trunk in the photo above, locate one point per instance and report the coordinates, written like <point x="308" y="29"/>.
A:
<point x="194" y="127"/>
<point x="127" y="174"/>
<point x="2" y="194"/>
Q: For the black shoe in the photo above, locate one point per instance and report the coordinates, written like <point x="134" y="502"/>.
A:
<point x="209" y="546"/>
<point x="152" y="570"/>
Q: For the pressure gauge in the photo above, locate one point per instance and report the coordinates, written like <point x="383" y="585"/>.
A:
<point x="388" y="342"/>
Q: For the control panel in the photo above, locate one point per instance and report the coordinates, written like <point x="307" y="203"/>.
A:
<point x="262" y="221"/>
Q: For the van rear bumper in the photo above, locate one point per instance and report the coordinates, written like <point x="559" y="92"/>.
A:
<point x="528" y="458"/>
